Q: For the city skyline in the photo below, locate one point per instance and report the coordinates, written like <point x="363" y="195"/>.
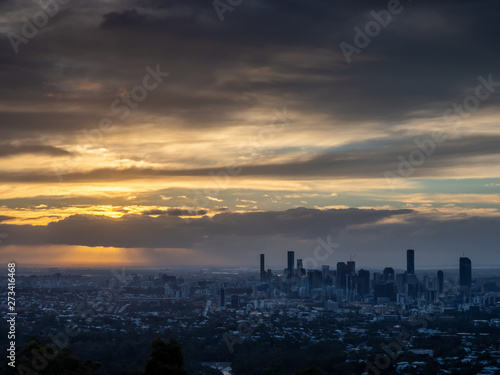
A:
<point x="250" y="187"/>
<point x="398" y="264"/>
<point x="464" y="266"/>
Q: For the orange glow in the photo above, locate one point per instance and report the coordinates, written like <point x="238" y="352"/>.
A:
<point x="69" y="256"/>
<point x="86" y="256"/>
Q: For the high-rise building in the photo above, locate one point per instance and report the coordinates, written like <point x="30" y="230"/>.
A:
<point x="341" y="275"/>
<point x="410" y="261"/>
<point x="363" y="282"/>
<point x="400" y="282"/>
<point x="300" y="271"/>
<point x="440" y="282"/>
<point x="388" y="274"/>
<point x="262" y="269"/>
<point x="385" y="290"/>
<point x="291" y="256"/>
<point x="351" y="267"/>
<point x="465" y="272"/>
<point x="315" y="279"/>
<point x="412" y="285"/>
<point x="299" y="264"/>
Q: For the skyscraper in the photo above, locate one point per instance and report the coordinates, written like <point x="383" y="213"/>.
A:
<point x="262" y="269"/>
<point x="440" y="281"/>
<point x="465" y="272"/>
<point x="299" y="264"/>
<point x="315" y="279"/>
<point x="300" y="271"/>
<point x="351" y="267"/>
<point x="363" y="282"/>
<point x="410" y="261"/>
<point x="291" y="257"/>
<point x="389" y="274"/>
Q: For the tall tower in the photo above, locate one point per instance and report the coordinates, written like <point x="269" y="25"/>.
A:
<point x="389" y="274"/>
<point x="291" y="257"/>
<point x="440" y="282"/>
<point x="410" y="261"/>
<point x="351" y="267"/>
<point x="299" y="264"/>
<point x="262" y="269"/>
<point x="465" y="272"/>
<point x="300" y="271"/>
<point x="341" y="275"/>
<point x="363" y="282"/>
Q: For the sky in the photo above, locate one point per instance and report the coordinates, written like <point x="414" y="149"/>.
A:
<point x="159" y="133"/>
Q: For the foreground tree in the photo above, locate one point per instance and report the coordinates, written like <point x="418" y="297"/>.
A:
<point x="45" y="359"/>
<point x="165" y="358"/>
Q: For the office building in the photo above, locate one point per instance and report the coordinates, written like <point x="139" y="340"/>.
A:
<point x="300" y="271"/>
<point x="440" y="282"/>
<point x="291" y="257"/>
<point x="341" y="275"/>
<point x="351" y="267"/>
<point x="262" y="269"/>
<point x="400" y="283"/>
<point x="299" y="264"/>
<point x="412" y="286"/>
<point x="315" y="279"/>
<point x="465" y="272"/>
<point x="363" y="282"/>
<point x="410" y="261"/>
<point x="388" y="274"/>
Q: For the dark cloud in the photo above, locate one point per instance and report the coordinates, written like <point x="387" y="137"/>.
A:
<point x="10" y="150"/>
<point x="129" y="18"/>
<point x="170" y="231"/>
<point x="175" y="212"/>
<point x="402" y="70"/>
<point x="427" y="58"/>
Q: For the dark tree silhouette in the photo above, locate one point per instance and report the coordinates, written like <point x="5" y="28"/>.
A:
<point x="165" y="358"/>
<point x="46" y="359"/>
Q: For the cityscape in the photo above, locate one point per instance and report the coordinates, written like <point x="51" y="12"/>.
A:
<point x="368" y="321"/>
<point x="249" y="187"/>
